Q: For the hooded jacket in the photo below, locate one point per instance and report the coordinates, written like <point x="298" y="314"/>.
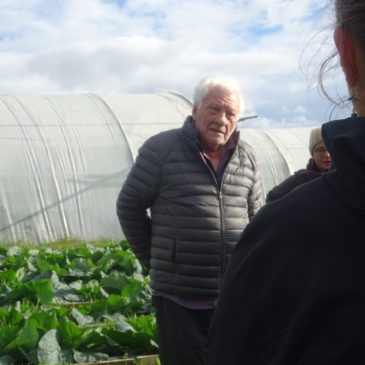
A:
<point x="294" y="289"/>
<point x="194" y="223"/>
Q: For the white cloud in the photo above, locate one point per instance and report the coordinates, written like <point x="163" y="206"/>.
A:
<point x="103" y="46"/>
<point x="299" y="109"/>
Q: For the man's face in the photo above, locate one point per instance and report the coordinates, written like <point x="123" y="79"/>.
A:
<point x="321" y="157"/>
<point x="216" y="117"/>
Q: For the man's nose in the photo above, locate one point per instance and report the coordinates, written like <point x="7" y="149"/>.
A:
<point x="222" y="117"/>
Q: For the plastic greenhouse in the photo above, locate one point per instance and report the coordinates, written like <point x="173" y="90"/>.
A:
<point x="64" y="158"/>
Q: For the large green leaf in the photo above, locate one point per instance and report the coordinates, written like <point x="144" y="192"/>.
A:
<point x="97" y="255"/>
<point x="15" y="317"/>
<point x="31" y="276"/>
<point x="81" y="319"/>
<point x="4" y="315"/>
<point x="115" y="303"/>
<point x="36" y="291"/>
<point x="7" y="276"/>
<point x="92" y="340"/>
<point x="43" y="290"/>
<point x="10" y="317"/>
<point x="69" y="334"/>
<point x="26" y="339"/>
<point x="121" y="324"/>
<point x="124" y="340"/>
<point x="132" y="294"/>
<point x="63" y="292"/>
<point x="82" y="265"/>
<point x="145" y="324"/>
<point x="92" y="290"/>
<point x="44" y="321"/>
<point x="7" y="335"/>
<point x="115" y="282"/>
<point x="43" y="265"/>
<point x="53" y="257"/>
<point x="141" y="340"/>
<point x="121" y="260"/>
<point x="49" y="351"/>
<point x="87" y="357"/>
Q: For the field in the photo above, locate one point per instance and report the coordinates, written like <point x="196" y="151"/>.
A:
<point x="73" y="302"/>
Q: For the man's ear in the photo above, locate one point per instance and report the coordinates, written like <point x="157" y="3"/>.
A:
<point x="347" y="50"/>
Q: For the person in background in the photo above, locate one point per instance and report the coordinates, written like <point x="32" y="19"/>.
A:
<point x="319" y="163"/>
<point x="202" y="186"/>
<point x="294" y="291"/>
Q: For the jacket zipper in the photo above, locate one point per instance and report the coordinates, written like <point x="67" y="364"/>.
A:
<point x="221" y="210"/>
<point x="223" y="245"/>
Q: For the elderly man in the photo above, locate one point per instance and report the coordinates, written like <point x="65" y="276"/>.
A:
<point x="202" y="186"/>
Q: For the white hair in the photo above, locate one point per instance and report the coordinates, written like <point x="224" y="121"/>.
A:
<point x="225" y="82"/>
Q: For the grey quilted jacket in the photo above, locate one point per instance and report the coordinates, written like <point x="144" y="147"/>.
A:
<point x="193" y="225"/>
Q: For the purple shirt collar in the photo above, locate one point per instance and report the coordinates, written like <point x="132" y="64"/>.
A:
<point x="230" y="147"/>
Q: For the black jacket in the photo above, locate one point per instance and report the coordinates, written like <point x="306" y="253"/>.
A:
<point x="294" y="290"/>
<point x="298" y="178"/>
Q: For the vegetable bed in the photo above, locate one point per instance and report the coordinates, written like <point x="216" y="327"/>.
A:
<point x="74" y="306"/>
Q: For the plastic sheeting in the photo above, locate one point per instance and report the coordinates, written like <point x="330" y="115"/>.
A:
<point x="279" y="152"/>
<point x="63" y="159"/>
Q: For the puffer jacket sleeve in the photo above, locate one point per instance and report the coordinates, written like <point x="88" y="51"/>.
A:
<point x="255" y="195"/>
<point x="136" y="196"/>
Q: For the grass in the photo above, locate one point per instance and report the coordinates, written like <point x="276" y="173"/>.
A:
<point x="62" y="244"/>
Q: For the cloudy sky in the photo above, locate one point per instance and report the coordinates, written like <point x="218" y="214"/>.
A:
<point x="274" y="48"/>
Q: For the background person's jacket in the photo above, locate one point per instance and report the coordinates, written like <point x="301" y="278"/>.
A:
<point x="294" y="289"/>
<point x="194" y="223"/>
<point x="298" y="178"/>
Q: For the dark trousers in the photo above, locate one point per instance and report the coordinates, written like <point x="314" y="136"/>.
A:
<point x="182" y="333"/>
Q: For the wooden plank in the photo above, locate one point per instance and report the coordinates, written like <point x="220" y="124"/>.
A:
<point x="139" y="360"/>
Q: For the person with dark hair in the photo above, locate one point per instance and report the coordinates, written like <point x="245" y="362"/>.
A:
<point x="319" y="163"/>
<point x="294" y="291"/>
<point x="202" y="185"/>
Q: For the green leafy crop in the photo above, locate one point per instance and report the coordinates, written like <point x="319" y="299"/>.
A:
<point x="82" y="304"/>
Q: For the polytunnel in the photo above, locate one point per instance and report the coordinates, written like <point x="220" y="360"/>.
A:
<point x="279" y="152"/>
<point x="64" y="158"/>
